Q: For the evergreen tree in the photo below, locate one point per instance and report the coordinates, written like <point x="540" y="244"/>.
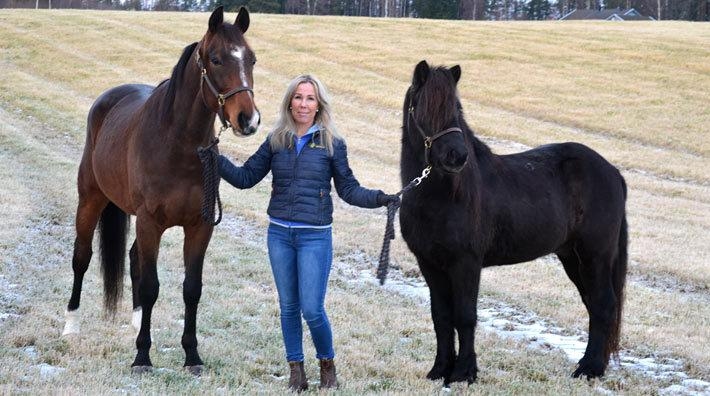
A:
<point x="537" y="9"/>
<point x="436" y="9"/>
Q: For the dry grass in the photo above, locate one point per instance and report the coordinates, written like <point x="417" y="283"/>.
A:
<point x="637" y="93"/>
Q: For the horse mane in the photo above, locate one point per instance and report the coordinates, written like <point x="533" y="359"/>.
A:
<point x="175" y="81"/>
<point x="482" y="152"/>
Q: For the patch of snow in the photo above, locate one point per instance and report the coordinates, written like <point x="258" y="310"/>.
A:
<point x="31" y="352"/>
<point x="47" y="371"/>
<point x="510" y="322"/>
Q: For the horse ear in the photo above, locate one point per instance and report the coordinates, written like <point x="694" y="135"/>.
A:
<point x="216" y="19"/>
<point x="421" y="74"/>
<point x="456" y="72"/>
<point x="242" y="20"/>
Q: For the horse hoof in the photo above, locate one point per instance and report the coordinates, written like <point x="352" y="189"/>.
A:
<point x="589" y="371"/>
<point x="141" y="369"/>
<point x="435" y="375"/>
<point x="195" y="370"/>
<point x="469" y="378"/>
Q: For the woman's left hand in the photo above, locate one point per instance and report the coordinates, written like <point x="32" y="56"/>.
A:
<point x="385" y="199"/>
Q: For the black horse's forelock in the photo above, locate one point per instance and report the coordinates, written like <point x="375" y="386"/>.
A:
<point x="438" y="100"/>
<point x="175" y="80"/>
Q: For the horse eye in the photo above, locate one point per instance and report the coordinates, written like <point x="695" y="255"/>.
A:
<point x="215" y="61"/>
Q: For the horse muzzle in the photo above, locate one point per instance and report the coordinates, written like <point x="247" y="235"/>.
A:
<point x="454" y="161"/>
<point x="247" y="124"/>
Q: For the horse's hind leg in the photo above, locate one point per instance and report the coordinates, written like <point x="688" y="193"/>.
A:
<point x="443" y="317"/>
<point x="91" y="204"/>
<point x="135" y="278"/>
<point x="570" y="262"/>
<point x="596" y="279"/>
<point x="195" y="245"/>
<point x="148" y="242"/>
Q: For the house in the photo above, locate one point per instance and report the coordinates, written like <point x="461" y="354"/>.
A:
<point x="614" y="14"/>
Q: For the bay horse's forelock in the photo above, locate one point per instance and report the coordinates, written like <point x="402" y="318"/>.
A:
<point x="496" y="210"/>
<point x="141" y="158"/>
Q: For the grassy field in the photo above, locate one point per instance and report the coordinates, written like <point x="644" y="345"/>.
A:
<point x="636" y="92"/>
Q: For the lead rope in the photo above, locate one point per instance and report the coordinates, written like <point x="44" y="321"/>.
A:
<point x="210" y="180"/>
<point x="383" y="266"/>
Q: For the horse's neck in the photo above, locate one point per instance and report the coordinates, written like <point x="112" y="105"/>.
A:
<point x="192" y="121"/>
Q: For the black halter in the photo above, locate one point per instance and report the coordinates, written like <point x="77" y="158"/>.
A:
<point x="428" y="140"/>
<point x="220" y="97"/>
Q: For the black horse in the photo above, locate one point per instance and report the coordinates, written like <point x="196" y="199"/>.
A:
<point x="478" y="209"/>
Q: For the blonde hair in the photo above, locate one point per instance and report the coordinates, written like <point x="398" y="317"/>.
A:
<point x="281" y="136"/>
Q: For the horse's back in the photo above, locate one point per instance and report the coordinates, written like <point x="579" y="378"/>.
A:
<point x="571" y="163"/>
<point x="122" y="101"/>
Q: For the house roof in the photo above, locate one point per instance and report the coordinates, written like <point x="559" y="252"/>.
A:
<point x="614" y="14"/>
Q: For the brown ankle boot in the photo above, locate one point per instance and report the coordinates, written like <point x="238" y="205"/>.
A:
<point x="327" y="374"/>
<point x="297" y="382"/>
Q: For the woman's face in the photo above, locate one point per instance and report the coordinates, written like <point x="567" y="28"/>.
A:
<point x="304" y="106"/>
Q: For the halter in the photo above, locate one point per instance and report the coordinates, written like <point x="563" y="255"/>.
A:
<point x="428" y="140"/>
<point x="208" y="155"/>
<point x="221" y="98"/>
<point x="383" y="265"/>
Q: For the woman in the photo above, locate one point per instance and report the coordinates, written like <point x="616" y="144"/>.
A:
<point x="303" y="152"/>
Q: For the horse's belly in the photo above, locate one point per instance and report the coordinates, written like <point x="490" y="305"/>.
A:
<point x="173" y="207"/>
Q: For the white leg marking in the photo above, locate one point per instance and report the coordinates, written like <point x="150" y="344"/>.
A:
<point x="73" y="323"/>
<point x="137" y="318"/>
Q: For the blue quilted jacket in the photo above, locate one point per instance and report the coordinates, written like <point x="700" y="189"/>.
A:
<point x="301" y="181"/>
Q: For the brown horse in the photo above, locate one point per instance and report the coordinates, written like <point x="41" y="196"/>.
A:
<point x="141" y="159"/>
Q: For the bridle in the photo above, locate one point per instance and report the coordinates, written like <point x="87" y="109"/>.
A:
<point x="428" y="140"/>
<point x="221" y="98"/>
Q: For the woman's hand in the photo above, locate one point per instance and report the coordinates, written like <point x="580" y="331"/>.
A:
<point x="385" y="199"/>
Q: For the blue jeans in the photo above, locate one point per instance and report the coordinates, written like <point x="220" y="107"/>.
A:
<point x="300" y="261"/>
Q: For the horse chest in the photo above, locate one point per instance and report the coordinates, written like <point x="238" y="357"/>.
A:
<point x="428" y="229"/>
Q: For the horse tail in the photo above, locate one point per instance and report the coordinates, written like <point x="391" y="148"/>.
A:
<point x="619" y="281"/>
<point x="113" y="227"/>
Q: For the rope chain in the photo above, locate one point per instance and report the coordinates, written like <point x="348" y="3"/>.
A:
<point x="383" y="266"/>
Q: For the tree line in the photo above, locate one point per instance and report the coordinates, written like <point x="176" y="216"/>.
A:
<point x="692" y="10"/>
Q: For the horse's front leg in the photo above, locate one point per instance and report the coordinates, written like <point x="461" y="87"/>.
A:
<point x="465" y="276"/>
<point x="196" y="240"/>
<point x="148" y="236"/>
<point x="442" y="316"/>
